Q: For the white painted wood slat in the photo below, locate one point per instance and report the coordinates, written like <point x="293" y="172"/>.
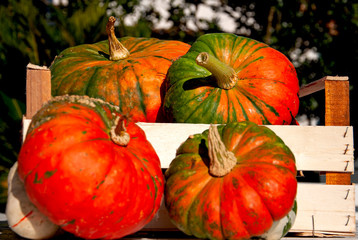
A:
<point x="325" y="209"/>
<point x="322" y="210"/>
<point x="316" y="148"/>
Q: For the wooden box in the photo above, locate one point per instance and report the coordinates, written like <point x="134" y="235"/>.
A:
<point x="324" y="209"/>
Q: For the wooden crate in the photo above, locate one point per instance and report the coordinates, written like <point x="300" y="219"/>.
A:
<point x="324" y="209"/>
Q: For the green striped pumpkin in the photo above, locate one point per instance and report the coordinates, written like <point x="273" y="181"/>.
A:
<point x="233" y="181"/>
<point x="227" y="78"/>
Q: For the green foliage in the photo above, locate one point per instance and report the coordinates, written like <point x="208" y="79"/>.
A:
<point x="3" y="184"/>
<point x="78" y="23"/>
<point x="8" y="122"/>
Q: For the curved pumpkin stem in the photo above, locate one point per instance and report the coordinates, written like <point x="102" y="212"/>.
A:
<point x="116" y="49"/>
<point x="222" y="161"/>
<point x="224" y="74"/>
<point x="118" y="132"/>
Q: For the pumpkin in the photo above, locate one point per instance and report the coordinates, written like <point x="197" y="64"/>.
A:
<point x="227" y="78"/>
<point x="89" y="170"/>
<point x="126" y="72"/>
<point x="234" y="181"/>
<point x="22" y="216"/>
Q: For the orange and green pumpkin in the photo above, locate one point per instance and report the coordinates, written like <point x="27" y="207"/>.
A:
<point x="89" y="170"/>
<point x="127" y="72"/>
<point x="227" y="78"/>
<point x="234" y="181"/>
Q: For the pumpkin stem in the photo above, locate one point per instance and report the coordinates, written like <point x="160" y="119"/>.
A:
<point x="224" y="74"/>
<point x="118" y="132"/>
<point x="222" y="161"/>
<point x="116" y="49"/>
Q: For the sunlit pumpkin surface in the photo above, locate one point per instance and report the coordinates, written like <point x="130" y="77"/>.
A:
<point x="81" y="179"/>
<point x="134" y="84"/>
<point x="266" y="90"/>
<point x="259" y="190"/>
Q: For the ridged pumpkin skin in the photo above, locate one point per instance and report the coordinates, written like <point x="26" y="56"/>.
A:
<point x="134" y="83"/>
<point x="244" y="203"/>
<point x="266" y="91"/>
<point x="84" y="182"/>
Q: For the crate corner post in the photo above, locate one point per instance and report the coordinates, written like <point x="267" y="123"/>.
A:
<point x="337" y="113"/>
<point x="38" y="88"/>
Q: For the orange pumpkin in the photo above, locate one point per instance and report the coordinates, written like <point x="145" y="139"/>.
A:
<point x="226" y="78"/>
<point x="127" y="72"/>
<point x="89" y="170"/>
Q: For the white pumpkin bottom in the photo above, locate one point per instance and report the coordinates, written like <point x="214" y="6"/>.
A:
<point x="281" y="227"/>
<point x="22" y="216"/>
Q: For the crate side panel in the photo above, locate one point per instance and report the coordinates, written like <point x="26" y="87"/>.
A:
<point x="325" y="209"/>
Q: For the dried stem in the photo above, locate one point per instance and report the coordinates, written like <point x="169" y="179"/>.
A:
<point x="116" y="49"/>
<point x="118" y="132"/>
<point x="222" y="161"/>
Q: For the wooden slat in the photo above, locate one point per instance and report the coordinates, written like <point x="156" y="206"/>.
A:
<point x="319" y="148"/>
<point x="38" y="88"/>
<point x="25" y="125"/>
<point x="322" y="210"/>
<point x="316" y="148"/>
<point x="325" y="209"/>
<point x="319" y="84"/>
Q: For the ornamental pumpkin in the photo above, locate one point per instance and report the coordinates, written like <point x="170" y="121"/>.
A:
<point x="127" y="72"/>
<point x="227" y="78"/>
<point x="234" y="181"/>
<point x="89" y="170"/>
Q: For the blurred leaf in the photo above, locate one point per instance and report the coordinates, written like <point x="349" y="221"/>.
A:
<point x="10" y="129"/>
<point x="3" y="187"/>
<point x="15" y="108"/>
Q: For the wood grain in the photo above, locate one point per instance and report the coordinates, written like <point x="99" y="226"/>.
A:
<point x="337" y="114"/>
<point x="38" y="88"/>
